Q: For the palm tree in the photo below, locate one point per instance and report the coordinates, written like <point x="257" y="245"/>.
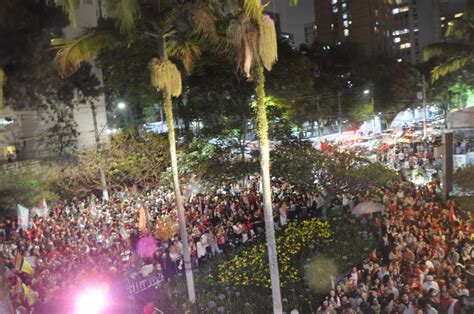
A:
<point x="458" y="53"/>
<point x="179" y="30"/>
<point x="253" y="37"/>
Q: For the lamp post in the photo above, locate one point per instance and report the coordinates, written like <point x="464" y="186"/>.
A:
<point x="367" y="92"/>
<point x="103" y="179"/>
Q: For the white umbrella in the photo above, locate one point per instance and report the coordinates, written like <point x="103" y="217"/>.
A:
<point x="367" y="208"/>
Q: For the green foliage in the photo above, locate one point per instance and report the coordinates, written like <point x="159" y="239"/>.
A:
<point x="458" y="52"/>
<point x="295" y="160"/>
<point x="454" y="90"/>
<point x="131" y="158"/>
<point x="24" y="188"/>
<point x="218" y="98"/>
<point x="463" y="178"/>
<point x="372" y="174"/>
<point x="320" y="273"/>
<point x="215" y="163"/>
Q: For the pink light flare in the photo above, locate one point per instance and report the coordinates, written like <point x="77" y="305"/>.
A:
<point x="91" y="301"/>
<point x="146" y="246"/>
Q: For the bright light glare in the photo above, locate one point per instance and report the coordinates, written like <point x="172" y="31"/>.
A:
<point x="366" y="91"/>
<point x="91" y="301"/>
<point x="121" y="105"/>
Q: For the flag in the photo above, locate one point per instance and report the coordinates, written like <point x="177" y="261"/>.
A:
<point x="22" y="265"/>
<point x="31" y="296"/>
<point x="23" y="214"/>
<point x="452" y="214"/>
<point x="42" y="210"/>
<point x="124" y="232"/>
<point x="92" y="206"/>
<point x="19" y="286"/>
<point x="142" y="220"/>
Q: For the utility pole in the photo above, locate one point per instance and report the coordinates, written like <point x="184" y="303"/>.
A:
<point x="319" y="117"/>
<point x="373" y="111"/>
<point x="424" y="105"/>
<point x="339" y="122"/>
<point x="103" y="181"/>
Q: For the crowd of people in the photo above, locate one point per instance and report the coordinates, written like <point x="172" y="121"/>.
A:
<point x="423" y="263"/>
<point x="83" y="242"/>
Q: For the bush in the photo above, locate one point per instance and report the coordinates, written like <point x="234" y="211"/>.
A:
<point x="24" y="188"/>
<point x="338" y="242"/>
<point x="249" y="267"/>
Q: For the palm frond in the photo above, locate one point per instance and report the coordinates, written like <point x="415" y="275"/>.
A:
<point x="451" y="65"/>
<point x="253" y="9"/>
<point x="188" y="52"/>
<point x="195" y="18"/>
<point x="70" y="55"/>
<point x="243" y="34"/>
<point x="126" y="12"/>
<point x="462" y="30"/>
<point x="445" y="50"/>
<point x="69" y="7"/>
<point x="3" y="78"/>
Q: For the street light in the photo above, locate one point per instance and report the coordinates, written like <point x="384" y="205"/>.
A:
<point x="121" y="105"/>
<point x="367" y="92"/>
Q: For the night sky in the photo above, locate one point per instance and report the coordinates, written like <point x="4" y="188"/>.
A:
<point x="294" y="18"/>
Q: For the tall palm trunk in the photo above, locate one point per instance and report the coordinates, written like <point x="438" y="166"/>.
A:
<point x="262" y="133"/>
<point x="168" y="107"/>
<point x="179" y="200"/>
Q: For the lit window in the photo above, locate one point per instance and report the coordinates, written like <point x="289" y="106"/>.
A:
<point x="345" y="23"/>
<point x="400" y="10"/>
<point x="334" y="1"/>
<point x="346" y="32"/>
<point x="458" y="15"/>
<point x="443" y="18"/>
<point x="405" y="45"/>
<point x="334" y="9"/>
<point x="332" y="26"/>
<point x="415" y="29"/>
<point x="396" y="40"/>
<point x="399" y="32"/>
<point x="344" y="16"/>
<point x="344" y="5"/>
<point x="399" y="60"/>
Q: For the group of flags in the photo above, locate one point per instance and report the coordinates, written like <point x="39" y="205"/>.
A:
<point x="23" y="266"/>
<point x="23" y="213"/>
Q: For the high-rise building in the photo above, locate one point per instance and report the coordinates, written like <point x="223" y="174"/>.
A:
<point x="417" y="24"/>
<point x="309" y="33"/>
<point x="288" y="38"/>
<point x="365" y="22"/>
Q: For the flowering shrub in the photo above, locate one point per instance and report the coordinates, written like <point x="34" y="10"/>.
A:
<point x="250" y="266"/>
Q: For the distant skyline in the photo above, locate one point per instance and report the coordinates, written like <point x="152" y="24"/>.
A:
<point x="293" y="19"/>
